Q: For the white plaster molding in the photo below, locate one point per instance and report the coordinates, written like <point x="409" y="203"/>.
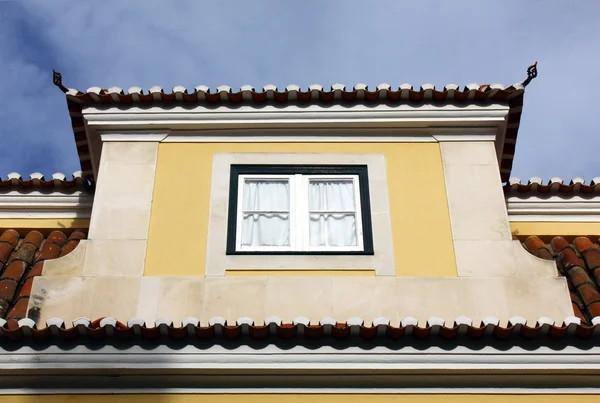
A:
<point x="554" y="208"/>
<point x="301" y="357"/>
<point x="271" y="356"/>
<point x="316" y="135"/>
<point x="426" y="390"/>
<point x="295" y="116"/>
<point x="36" y="204"/>
<point x="467" y="136"/>
<point x="134" y="136"/>
<point x="327" y="369"/>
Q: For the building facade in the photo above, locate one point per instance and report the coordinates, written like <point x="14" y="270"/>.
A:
<point x="306" y="243"/>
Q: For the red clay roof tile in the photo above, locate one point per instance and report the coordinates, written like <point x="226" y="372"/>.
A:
<point x="293" y="94"/>
<point x="105" y="329"/>
<point x="19" y="309"/>
<point x="37" y="181"/>
<point x="15" y="270"/>
<point x="554" y="186"/>
<point x="579" y="262"/>
<point x="21" y="259"/>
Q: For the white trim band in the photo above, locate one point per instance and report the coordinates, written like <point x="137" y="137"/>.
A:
<point x="327" y="369"/>
<point x="295" y="116"/>
<point x="16" y="205"/>
<point x="304" y="358"/>
<point x="554" y="209"/>
<point x="316" y="135"/>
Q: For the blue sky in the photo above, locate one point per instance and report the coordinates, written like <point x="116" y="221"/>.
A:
<point x="147" y="43"/>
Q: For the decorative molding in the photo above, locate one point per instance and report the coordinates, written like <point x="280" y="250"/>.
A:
<point x="554" y="208"/>
<point x="136" y="136"/>
<point x="107" y="385"/>
<point x="316" y="135"/>
<point x="272" y="123"/>
<point x="16" y="204"/>
<point x="293" y="116"/>
<point x="467" y="135"/>
<point x="326" y="369"/>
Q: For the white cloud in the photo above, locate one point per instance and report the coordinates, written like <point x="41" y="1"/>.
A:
<point x="189" y="43"/>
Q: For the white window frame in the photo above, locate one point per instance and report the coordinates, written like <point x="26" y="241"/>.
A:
<point x="299" y="213"/>
<point x="240" y="214"/>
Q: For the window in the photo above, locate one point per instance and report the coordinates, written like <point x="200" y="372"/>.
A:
<point x="299" y="210"/>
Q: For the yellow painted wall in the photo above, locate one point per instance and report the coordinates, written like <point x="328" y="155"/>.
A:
<point x="42" y="224"/>
<point x="419" y="209"/>
<point x="301" y="398"/>
<point x="527" y="228"/>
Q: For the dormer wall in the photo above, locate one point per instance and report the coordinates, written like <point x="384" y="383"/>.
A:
<point x="440" y="225"/>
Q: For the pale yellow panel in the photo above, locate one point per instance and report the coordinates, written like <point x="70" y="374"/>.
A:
<point x="419" y="210"/>
<point x="301" y="398"/>
<point x="45" y="223"/>
<point x="300" y="273"/>
<point x="527" y="228"/>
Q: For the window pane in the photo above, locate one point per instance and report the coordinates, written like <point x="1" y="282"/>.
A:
<point x="266" y="229"/>
<point x="266" y="195"/>
<point x="331" y="195"/>
<point x="332" y="229"/>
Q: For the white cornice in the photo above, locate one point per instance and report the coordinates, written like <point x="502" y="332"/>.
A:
<point x="554" y="208"/>
<point x="272" y="357"/>
<point x="246" y="369"/>
<point x="36" y="204"/>
<point x="247" y="117"/>
<point x="321" y="123"/>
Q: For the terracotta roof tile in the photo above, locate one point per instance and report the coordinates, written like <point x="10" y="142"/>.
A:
<point x="36" y="180"/>
<point x="553" y="186"/>
<point x="190" y="330"/>
<point x="294" y="94"/>
<point x="21" y="259"/>
<point x="579" y="262"/>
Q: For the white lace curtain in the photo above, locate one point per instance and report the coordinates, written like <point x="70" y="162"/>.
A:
<point x="266" y="213"/>
<point x="332" y="215"/>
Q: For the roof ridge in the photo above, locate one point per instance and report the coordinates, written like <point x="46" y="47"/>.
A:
<point x="95" y="90"/>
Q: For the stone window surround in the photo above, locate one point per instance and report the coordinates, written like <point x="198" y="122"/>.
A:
<point x="359" y="177"/>
<point x="217" y="262"/>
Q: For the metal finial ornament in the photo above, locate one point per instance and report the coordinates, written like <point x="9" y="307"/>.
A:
<point x="531" y="73"/>
<point x="57" y="80"/>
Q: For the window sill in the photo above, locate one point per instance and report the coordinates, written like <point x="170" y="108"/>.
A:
<point x="294" y="253"/>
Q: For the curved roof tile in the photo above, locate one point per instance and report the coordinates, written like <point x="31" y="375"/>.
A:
<point x="217" y="328"/>
<point x="472" y="92"/>
<point x="21" y="259"/>
<point x="554" y="185"/>
<point x="36" y="180"/>
<point x="579" y="262"/>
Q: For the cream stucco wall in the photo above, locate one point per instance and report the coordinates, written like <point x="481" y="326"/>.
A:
<point x="432" y="230"/>
<point x="419" y="210"/>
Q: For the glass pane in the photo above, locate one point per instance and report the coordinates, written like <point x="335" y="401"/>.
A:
<point x="266" y="229"/>
<point x="331" y="195"/>
<point x="266" y="195"/>
<point x="332" y="229"/>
